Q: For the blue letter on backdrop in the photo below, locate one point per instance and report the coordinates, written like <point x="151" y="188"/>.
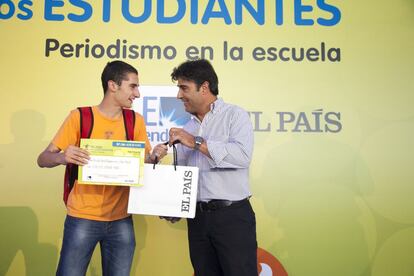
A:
<point x="258" y="15"/>
<point x="194" y="11"/>
<point x="329" y="8"/>
<point x="23" y="8"/>
<point x="146" y="110"/>
<point x="49" y="5"/>
<point x="299" y="9"/>
<point x="127" y="15"/>
<point x="223" y="13"/>
<point x="106" y="15"/>
<point x="161" y="18"/>
<point x="11" y="6"/>
<point x="87" y="8"/>
<point x="279" y="12"/>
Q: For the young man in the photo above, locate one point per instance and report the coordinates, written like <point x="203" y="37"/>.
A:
<point x="98" y="213"/>
<point x="219" y="140"/>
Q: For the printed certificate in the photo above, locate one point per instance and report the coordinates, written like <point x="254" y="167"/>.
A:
<point x="113" y="162"/>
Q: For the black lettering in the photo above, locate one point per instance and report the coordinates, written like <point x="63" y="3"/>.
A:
<point x="51" y="45"/>
<point x="259" y="53"/>
<point x="66" y="50"/>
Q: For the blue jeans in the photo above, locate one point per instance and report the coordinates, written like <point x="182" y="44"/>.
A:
<point x="116" y="238"/>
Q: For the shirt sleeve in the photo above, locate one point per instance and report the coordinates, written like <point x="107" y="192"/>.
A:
<point x="237" y="151"/>
<point x="182" y="155"/>
<point x="69" y="132"/>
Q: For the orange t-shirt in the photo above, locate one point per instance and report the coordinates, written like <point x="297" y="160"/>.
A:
<point x="98" y="202"/>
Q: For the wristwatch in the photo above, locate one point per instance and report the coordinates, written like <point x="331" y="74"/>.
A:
<point x="198" y="141"/>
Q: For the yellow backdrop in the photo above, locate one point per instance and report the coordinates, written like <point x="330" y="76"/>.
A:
<point x="329" y="85"/>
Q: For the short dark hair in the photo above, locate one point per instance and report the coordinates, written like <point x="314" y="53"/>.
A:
<point x="199" y="71"/>
<point x="116" y="71"/>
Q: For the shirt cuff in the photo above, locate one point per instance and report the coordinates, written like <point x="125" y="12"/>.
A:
<point x="217" y="152"/>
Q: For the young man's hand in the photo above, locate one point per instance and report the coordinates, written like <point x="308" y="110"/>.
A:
<point x="52" y="156"/>
<point x="75" y="155"/>
<point x="159" y="152"/>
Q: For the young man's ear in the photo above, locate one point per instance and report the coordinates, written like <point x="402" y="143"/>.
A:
<point x="112" y="86"/>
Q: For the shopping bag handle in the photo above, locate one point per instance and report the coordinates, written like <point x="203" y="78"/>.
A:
<point x="174" y="155"/>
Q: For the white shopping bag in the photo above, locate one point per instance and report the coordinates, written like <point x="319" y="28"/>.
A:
<point x="168" y="190"/>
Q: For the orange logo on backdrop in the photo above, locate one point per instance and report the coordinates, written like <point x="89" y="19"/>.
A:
<point x="268" y="265"/>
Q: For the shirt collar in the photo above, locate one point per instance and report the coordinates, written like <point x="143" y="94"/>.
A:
<point x="216" y="105"/>
<point x="214" y="108"/>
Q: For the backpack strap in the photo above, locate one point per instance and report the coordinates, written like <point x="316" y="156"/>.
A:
<point x="86" y="121"/>
<point x="129" y="123"/>
<point x="71" y="172"/>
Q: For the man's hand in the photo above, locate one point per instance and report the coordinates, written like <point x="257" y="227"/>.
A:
<point x="179" y="134"/>
<point x="52" y="156"/>
<point x="188" y="140"/>
<point x="74" y="155"/>
<point x="171" y="219"/>
<point x="159" y="152"/>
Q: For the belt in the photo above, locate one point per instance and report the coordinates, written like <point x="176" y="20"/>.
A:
<point x="217" y="204"/>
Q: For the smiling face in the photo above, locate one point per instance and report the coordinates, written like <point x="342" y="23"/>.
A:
<point x="190" y="96"/>
<point x="127" y="91"/>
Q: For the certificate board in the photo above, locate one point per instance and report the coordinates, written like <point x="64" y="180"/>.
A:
<point x="112" y="162"/>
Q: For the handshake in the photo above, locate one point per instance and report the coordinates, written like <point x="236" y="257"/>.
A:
<point x="176" y="135"/>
